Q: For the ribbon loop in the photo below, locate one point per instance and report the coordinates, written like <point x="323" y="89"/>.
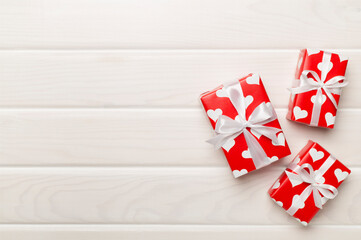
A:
<point x="306" y="174"/>
<point x="228" y="129"/>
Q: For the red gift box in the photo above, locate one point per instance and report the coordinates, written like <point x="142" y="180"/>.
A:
<point x="310" y="180"/>
<point x="246" y="124"/>
<point x="316" y="90"/>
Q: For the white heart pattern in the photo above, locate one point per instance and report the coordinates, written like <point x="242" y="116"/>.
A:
<point x="248" y="100"/>
<point x="312" y="51"/>
<point x="246" y="154"/>
<point x="323" y="99"/>
<point x="294" y="179"/>
<point x="299" y="113"/>
<point x="342" y="58"/>
<point x="279" y="203"/>
<point x="325" y="66"/>
<point x="254" y="79"/>
<point x="276" y="184"/>
<point x="340" y="175"/>
<point x="214" y="114"/>
<point x="297" y="202"/>
<point x="302" y="222"/>
<point x="238" y="173"/>
<point x="330" y="119"/>
<point x="316" y="155"/>
<point x="273" y="159"/>
<point x="319" y="178"/>
<point x="221" y="93"/>
<point x="269" y="105"/>
<point x="281" y="140"/>
<point x="237" y="118"/>
<point x="228" y="145"/>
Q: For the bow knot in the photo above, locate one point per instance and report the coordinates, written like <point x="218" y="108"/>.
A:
<point x="228" y="129"/>
<point x="307" y="84"/>
<point x="315" y="82"/>
<point x="243" y="122"/>
<point x="316" y="185"/>
<point x="322" y="85"/>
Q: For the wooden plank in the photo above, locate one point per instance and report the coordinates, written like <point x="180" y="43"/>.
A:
<point x="147" y="78"/>
<point x="137" y="137"/>
<point x="176" y="232"/>
<point x="164" y="195"/>
<point x="179" y="24"/>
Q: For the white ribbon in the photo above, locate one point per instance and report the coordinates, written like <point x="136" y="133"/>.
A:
<point x="315" y="186"/>
<point x="316" y="83"/>
<point x="228" y="129"/>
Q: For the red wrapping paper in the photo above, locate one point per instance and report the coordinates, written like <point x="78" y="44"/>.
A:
<point x="301" y="105"/>
<point x="284" y="193"/>
<point x="215" y="104"/>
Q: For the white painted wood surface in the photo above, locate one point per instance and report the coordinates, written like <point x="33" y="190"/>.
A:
<point x="157" y="195"/>
<point x="177" y="232"/>
<point x="144" y="137"/>
<point x="102" y="134"/>
<point x="180" y="24"/>
<point x="153" y="78"/>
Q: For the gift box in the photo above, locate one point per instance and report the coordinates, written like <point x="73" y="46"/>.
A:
<point x="246" y="124"/>
<point x="310" y="180"/>
<point x="316" y="90"/>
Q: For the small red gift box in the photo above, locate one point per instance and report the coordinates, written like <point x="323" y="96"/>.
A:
<point x="316" y="90"/>
<point x="246" y="124"/>
<point x="310" y="180"/>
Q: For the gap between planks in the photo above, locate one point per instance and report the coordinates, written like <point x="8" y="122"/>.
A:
<point x="179" y="232"/>
<point x="130" y="109"/>
<point x="171" y="50"/>
<point x="114" y="226"/>
<point x="69" y="137"/>
<point x="116" y="168"/>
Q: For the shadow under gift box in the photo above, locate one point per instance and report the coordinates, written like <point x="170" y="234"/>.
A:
<point x="327" y="67"/>
<point x="217" y="103"/>
<point x="288" y="189"/>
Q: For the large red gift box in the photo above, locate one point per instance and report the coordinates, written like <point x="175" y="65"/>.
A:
<point x="316" y="90"/>
<point x="310" y="180"/>
<point x="222" y="103"/>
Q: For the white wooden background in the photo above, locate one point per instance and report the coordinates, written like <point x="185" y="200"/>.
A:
<point x="102" y="135"/>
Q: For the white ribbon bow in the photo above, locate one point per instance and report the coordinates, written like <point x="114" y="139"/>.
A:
<point x="228" y="129"/>
<point x="316" y="83"/>
<point x="315" y="186"/>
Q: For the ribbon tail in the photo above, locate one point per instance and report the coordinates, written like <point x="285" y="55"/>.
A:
<point x="330" y="96"/>
<point x="220" y="139"/>
<point x="317" y="198"/>
<point x="269" y="132"/>
<point x="258" y="155"/>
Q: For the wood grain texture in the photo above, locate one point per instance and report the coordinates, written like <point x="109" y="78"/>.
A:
<point x="180" y="24"/>
<point x="176" y="232"/>
<point x="147" y="78"/>
<point x="102" y="135"/>
<point x="157" y="196"/>
<point x="138" y="137"/>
